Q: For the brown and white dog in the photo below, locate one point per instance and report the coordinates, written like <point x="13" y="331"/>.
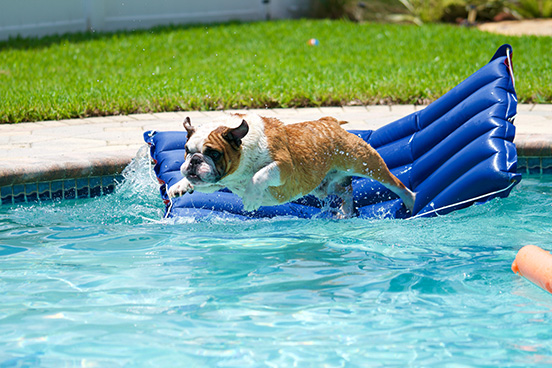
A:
<point x="267" y="163"/>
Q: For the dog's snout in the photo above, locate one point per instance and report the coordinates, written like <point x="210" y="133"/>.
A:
<point x="195" y="160"/>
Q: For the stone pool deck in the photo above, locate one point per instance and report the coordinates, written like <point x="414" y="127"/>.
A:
<point x="49" y="151"/>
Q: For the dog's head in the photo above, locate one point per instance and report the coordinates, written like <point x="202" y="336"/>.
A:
<point x="212" y="152"/>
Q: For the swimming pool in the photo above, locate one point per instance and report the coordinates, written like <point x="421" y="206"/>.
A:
<point x="99" y="283"/>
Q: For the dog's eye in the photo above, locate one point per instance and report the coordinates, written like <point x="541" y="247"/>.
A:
<point x="214" y="154"/>
<point x="187" y="150"/>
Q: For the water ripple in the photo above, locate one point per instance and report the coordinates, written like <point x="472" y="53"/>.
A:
<point x="92" y="283"/>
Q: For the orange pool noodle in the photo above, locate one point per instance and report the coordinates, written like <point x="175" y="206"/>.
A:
<point x="534" y="264"/>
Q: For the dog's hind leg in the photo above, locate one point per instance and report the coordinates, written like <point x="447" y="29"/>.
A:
<point x="367" y="162"/>
<point x="345" y="191"/>
<point x="340" y="184"/>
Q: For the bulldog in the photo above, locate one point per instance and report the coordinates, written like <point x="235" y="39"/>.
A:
<point x="267" y="162"/>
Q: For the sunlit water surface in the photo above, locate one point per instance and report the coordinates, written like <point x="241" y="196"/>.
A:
<point x="102" y="283"/>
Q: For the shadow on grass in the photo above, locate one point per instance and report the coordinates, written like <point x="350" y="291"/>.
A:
<point x="28" y="43"/>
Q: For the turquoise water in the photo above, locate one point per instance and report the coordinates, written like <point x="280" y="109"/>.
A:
<point x="98" y="283"/>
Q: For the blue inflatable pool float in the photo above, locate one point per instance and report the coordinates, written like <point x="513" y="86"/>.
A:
<point x="457" y="151"/>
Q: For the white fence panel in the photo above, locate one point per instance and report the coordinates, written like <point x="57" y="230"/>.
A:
<point x="35" y="18"/>
<point x="129" y="14"/>
<point x="40" y="17"/>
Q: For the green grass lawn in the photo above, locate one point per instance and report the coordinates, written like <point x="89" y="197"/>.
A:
<point x="264" y="64"/>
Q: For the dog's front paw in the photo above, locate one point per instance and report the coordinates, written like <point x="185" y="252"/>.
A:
<point x="252" y="202"/>
<point x="183" y="186"/>
<point x="250" y="206"/>
<point x="253" y="198"/>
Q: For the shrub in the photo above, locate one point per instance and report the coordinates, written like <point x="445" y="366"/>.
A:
<point x="429" y="11"/>
<point x="532" y="8"/>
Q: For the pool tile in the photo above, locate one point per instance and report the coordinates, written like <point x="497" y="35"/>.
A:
<point x="44" y="192"/>
<point x="546" y="163"/>
<point x="6" y="194"/>
<point x="83" y="188"/>
<point x="57" y="189"/>
<point x="95" y="187"/>
<point x="108" y="186"/>
<point x="31" y="192"/>
<point x="533" y="165"/>
<point x="69" y="189"/>
<point x="19" y="193"/>
<point x="522" y="165"/>
<point x="110" y="182"/>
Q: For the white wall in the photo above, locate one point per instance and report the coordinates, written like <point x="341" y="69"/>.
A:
<point x="40" y="17"/>
<point x="35" y="18"/>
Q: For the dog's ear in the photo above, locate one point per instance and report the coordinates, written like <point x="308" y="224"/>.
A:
<point x="235" y="136"/>
<point x="188" y="126"/>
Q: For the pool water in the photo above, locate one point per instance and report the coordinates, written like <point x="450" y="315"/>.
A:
<point x="103" y="283"/>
